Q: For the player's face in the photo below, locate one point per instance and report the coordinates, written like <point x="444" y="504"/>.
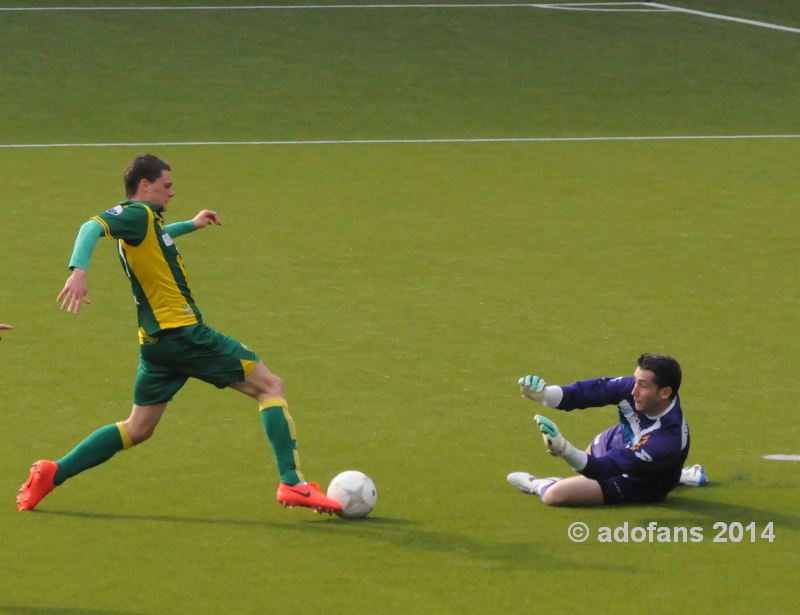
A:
<point x="647" y="397"/>
<point x="160" y="191"/>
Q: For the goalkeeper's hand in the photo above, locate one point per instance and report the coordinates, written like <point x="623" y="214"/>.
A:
<point x="532" y="387"/>
<point x="556" y="444"/>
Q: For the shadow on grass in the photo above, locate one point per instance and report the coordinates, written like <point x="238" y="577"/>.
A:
<point x="524" y="554"/>
<point x="214" y="520"/>
<point x="399" y="533"/>
<point x="711" y="512"/>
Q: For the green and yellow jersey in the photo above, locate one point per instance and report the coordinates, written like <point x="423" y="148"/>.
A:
<point x="154" y="266"/>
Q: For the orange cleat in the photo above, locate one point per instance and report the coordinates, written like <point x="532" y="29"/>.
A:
<point x="308" y="495"/>
<point x="38" y="485"/>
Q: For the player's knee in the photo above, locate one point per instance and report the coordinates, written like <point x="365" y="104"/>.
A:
<point x="139" y="433"/>
<point x="553" y="497"/>
<point x="273" y="386"/>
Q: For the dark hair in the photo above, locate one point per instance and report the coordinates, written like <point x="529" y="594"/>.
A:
<point x="144" y="166"/>
<point x="666" y="370"/>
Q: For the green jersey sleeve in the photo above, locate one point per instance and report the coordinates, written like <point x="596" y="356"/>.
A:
<point x="176" y="229"/>
<point x="85" y="242"/>
<point x="125" y="221"/>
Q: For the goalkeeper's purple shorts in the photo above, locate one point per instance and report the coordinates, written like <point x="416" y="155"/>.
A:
<point x="623" y="489"/>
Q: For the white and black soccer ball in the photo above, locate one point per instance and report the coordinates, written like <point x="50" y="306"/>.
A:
<point x="355" y="491"/>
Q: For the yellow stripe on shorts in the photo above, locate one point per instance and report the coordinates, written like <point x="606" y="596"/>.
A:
<point x="248" y="366"/>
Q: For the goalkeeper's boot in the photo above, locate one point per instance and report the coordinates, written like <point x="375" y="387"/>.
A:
<point x="528" y="483"/>
<point x="308" y="495"/>
<point x="694" y="476"/>
<point x="38" y="485"/>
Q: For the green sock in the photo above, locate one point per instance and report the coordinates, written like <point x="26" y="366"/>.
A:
<point x="98" y="447"/>
<point x="280" y="430"/>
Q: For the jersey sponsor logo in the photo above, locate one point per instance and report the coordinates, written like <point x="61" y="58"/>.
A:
<point x="115" y="211"/>
<point x="167" y="239"/>
<point x="642" y="454"/>
<point x="642" y="441"/>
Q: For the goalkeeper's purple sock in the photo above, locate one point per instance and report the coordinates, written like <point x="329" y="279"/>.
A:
<point x="544" y="485"/>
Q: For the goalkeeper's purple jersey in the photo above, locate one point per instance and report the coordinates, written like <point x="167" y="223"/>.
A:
<point x="644" y="448"/>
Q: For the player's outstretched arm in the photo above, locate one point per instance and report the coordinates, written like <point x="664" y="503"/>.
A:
<point x="75" y="292"/>
<point x="201" y="220"/>
<point x="5" y="327"/>
<point x="206" y="217"/>
<point x="558" y="446"/>
<point x="535" y="388"/>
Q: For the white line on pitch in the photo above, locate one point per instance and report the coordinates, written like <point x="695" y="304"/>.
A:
<point x="289" y="7"/>
<point x="398" y="141"/>
<point x="749" y="22"/>
<point x="782" y="457"/>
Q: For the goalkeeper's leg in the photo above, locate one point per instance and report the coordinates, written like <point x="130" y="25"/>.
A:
<point x="574" y="491"/>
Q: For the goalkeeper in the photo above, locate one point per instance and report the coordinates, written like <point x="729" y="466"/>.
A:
<point x="638" y="460"/>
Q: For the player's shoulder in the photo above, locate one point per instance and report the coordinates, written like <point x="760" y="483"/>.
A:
<point x="126" y="210"/>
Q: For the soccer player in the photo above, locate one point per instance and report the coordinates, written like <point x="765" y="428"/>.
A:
<point x="174" y="342"/>
<point x="5" y="327"/>
<point x="638" y="460"/>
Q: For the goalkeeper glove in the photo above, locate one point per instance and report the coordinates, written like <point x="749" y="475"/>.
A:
<point x="558" y="446"/>
<point x="532" y="387"/>
<point x="553" y="439"/>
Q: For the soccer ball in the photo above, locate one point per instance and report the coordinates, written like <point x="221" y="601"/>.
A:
<point x="355" y="491"/>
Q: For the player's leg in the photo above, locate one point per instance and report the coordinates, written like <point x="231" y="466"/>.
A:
<point x="267" y="389"/>
<point x="101" y="445"/>
<point x="226" y="362"/>
<point x="574" y="491"/>
<point x="98" y="447"/>
<point x="528" y="483"/>
<point x="155" y="386"/>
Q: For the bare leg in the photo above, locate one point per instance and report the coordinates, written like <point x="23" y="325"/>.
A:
<point x="143" y="420"/>
<point x="261" y="384"/>
<point x="574" y="491"/>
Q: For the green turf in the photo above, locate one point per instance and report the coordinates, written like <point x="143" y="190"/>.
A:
<point x="400" y="290"/>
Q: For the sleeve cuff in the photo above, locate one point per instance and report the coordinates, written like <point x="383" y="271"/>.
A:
<point x="553" y="395"/>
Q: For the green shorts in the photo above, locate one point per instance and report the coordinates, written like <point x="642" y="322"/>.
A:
<point x="196" y="351"/>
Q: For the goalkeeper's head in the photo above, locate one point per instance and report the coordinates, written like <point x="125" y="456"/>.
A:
<point x="658" y="378"/>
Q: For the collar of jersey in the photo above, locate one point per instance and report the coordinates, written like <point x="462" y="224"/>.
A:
<point x="665" y="411"/>
<point x="156" y="208"/>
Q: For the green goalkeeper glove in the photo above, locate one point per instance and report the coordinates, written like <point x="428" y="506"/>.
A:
<point x="532" y="387"/>
<point x="558" y="446"/>
<point x="553" y="440"/>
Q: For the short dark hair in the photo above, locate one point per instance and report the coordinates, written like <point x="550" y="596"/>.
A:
<point x="666" y="370"/>
<point x="144" y="166"/>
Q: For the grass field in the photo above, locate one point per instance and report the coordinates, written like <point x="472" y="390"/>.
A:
<point x="400" y="289"/>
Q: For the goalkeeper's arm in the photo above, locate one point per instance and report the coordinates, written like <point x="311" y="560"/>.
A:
<point x="558" y="446"/>
<point x="535" y="388"/>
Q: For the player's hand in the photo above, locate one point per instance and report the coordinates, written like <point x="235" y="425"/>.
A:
<point x="532" y="387"/>
<point x="4" y="327"/>
<point x="206" y="217"/>
<point x="556" y="443"/>
<point x="75" y="292"/>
